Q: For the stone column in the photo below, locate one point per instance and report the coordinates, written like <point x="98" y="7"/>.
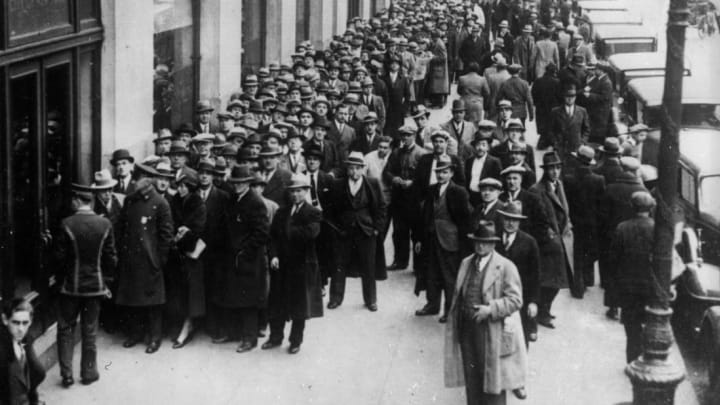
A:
<point x="341" y="12"/>
<point x="127" y="77"/>
<point x="280" y="42"/>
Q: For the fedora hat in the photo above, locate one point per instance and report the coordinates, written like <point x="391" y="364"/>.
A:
<point x="351" y="98"/>
<point x="146" y="169"/>
<point x="298" y="181"/>
<point x="185" y="128"/>
<point x="458" y="105"/>
<point x="370" y="118"/>
<point x="482" y="136"/>
<point x="206" y="165"/>
<point x="419" y="111"/>
<point x="444" y="162"/>
<point x="220" y="166"/>
<point x="611" y="146"/>
<point x="121" y="154"/>
<point x="355" y="158"/>
<point x="638" y="128"/>
<point x="570" y="91"/>
<point x="485" y="232"/>
<point x="322" y="122"/>
<point x="513" y="209"/>
<point x="630" y="164"/>
<point x="163" y="135"/>
<point x="163" y="169"/>
<point x="578" y="60"/>
<point x="203" y="106"/>
<point x="258" y="180"/>
<point x="241" y="174"/>
<point x="178" y="147"/>
<point x="82" y="191"/>
<point x="551" y="159"/>
<point x="246" y="155"/>
<point x="490" y="182"/>
<point x="103" y="181"/>
<point x="517" y="148"/>
<point x="313" y="150"/>
<point x="527" y="28"/>
<point x="585" y="155"/>
<point x="237" y="132"/>
<point x="269" y="151"/>
<point x="189" y="178"/>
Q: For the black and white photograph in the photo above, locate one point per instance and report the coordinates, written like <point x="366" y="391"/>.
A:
<point x="365" y="202"/>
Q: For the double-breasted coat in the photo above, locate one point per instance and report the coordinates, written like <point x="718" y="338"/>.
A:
<point x="145" y="233"/>
<point x="568" y="132"/>
<point x="296" y="287"/>
<point x="556" y="254"/>
<point x="502" y="291"/>
<point x="243" y="284"/>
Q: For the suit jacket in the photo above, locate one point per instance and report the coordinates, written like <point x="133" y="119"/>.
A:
<point x="538" y="222"/>
<point x="422" y="174"/>
<point x="544" y="52"/>
<point x="599" y="107"/>
<point x="112" y="213"/>
<point x="569" y="132"/>
<point x="517" y="90"/>
<point x="491" y="168"/>
<point x="129" y="190"/>
<point x="213" y="128"/>
<point x="361" y="144"/>
<point x="366" y="220"/>
<point x="464" y="137"/>
<point x="377" y="105"/>
<point x="216" y="206"/>
<point x="479" y="214"/>
<point x="277" y="186"/>
<point x="501" y="150"/>
<point x="299" y="167"/>
<point x="452" y="237"/>
<point x="342" y="140"/>
<point x="525" y="254"/>
<point x="331" y="158"/>
<point x="610" y="169"/>
<point x="522" y="54"/>
<point x="474" y="90"/>
<point x="399" y="97"/>
<point x="18" y="386"/>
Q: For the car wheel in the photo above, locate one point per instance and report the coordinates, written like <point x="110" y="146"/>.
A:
<point x="709" y="344"/>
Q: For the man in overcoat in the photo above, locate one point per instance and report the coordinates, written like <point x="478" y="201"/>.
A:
<point x="20" y="370"/>
<point x="241" y="289"/>
<point x="484" y="347"/>
<point x="399" y="97"/>
<point x="359" y="211"/>
<point x="517" y="90"/>
<point x="145" y="233"/>
<point x="556" y="253"/>
<point x="277" y="178"/>
<point x="547" y="95"/>
<point x="86" y="257"/>
<point x="489" y="205"/>
<point x="585" y="191"/>
<point x="569" y="125"/>
<point x="597" y="98"/>
<point x="424" y="173"/>
<point x="460" y="129"/>
<point x="446" y="220"/>
<point x="473" y="89"/>
<point x="295" y="286"/>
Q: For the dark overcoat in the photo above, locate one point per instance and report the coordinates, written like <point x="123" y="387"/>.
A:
<point x="632" y="245"/>
<point x="599" y="107"/>
<point x="437" y="79"/>
<point x="18" y="386"/>
<point x="145" y="232"/>
<point x="399" y="97"/>
<point x="525" y="254"/>
<point x="243" y="284"/>
<point x="538" y="222"/>
<point x="585" y="191"/>
<point x="296" y="287"/>
<point x="546" y="94"/>
<point x="277" y="186"/>
<point x="569" y="132"/>
<point x="216" y="255"/>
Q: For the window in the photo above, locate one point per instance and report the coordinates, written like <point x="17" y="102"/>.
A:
<point x="353" y="9"/>
<point x="708" y="192"/>
<point x="687" y="186"/>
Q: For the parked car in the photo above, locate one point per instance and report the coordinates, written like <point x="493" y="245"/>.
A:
<point x="624" y="67"/>
<point x="612" y="39"/>
<point x="606" y="5"/>
<point x="614" y="17"/>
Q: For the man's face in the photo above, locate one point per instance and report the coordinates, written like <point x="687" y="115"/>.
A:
<point x="104" y="195"/>
<point x="319" y="133"/>
<point x="251" y="90"/>
<point x="421" y="121"/>
<point x="506" y="113"/>
<point x="269" y="162"/>
<point x="345" y="76"/>
<point x="185" y="137"/>
<point x="408" y="139"/>
<point x="569" y="100"/>
<point x="278" y="117"/>
<point x="309" y="61"/>
<point x="439" y="145"/>
<point x="272" y="141"/>
<point x="354" y="172"/>
<point x="481" y="148"/>
<point x="312" y="163"/>
<point x="162" y="184"/>
<point x="294" y="94"/>
<point x="341" y="115"/>
<point x="640" y="136"/>
<point x="204" y="117"/>
<point x="513" y="181"/>
<point x="203" y="148"/>
<point x="516" y="158"/>
<point x="553" y="172"/>
<point x="511" y="225"/>
<point x="294" y="144"/>
<point x="255" y="148"/>
<point x="394" y="67"/>
<point x="514" y="135"/>
<point x="334" y="73"/>
<point x="443" y="176"/>
<point x="18" y="324"/>
<point x="123" y="168"/>
<point x="360" y="76"/>
<point x="298" y="195"/>
<point x="383" y="149"/>
<point x="306" y="119"/>
<point x="241" y="187"/>
<point x="178" y="160"/>
<point x="367" y="90"/>
<point x="370" y="128"/>
<point x="458" y="116"/>
<point x="489" y="194"/>
<point x="236" y="111"/>
<point x="162" y="147"/>
<point x="483" y="248"/>
<point x="226" y="124"/>
<point x="205" y="178"/>
<point x="321" y="109"/>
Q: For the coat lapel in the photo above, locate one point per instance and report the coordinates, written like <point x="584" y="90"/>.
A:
<point x="491" y="273"/>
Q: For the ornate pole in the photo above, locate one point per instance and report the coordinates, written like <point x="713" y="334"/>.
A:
<point x="653" y="376"/>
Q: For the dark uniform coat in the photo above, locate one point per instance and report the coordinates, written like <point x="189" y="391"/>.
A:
<point x="296" y="287"/>
<point x="145" y="233"/>
<point x="243" y="284"/>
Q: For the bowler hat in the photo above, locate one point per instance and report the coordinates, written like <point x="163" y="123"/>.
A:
<point x="611" y="146"/>
<point x="203" y="106"/>
<point x="355" y="158"/>
<point x="103" y="181"/>
<point x="269" y="151"/>
<point x="241" y="174"/>
<point x="444" y="162"/>
<point x="458" y="105"/>
<point x="121" y="154"/>
<point x="485" y="232"/>
<point x="578" y="60"/>
<point x="237" y="132"/>
<point x="551" y="159"/>
<point x="482" y="136"/>
<point x="513" y="209"/>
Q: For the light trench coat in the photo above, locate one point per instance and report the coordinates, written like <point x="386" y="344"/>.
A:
<point x="502" y="290"/>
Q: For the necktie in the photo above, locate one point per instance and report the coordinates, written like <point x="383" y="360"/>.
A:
<point x="21" y="358"/>
<point x="296" y="208"/>
<point x="506" y="241"/>
<point x="313" y="190"/>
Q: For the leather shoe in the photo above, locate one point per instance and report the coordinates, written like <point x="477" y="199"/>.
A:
<point x="153" y="347"/>
<point x="294" y="349"/>
<point x="372" y="307"/>
<point x="131" y="342"/>
<point x="546" y="321"/>
<point x="88" y="381"/>
<point x="612" y="313"/>
<point x="333" y="305"/>
<point x="397" y="266"/>
<point x="426" y="311"/>
<point x="443" y="319"/>
<point x="245" y="346"/>
<point x="180" y="345"/>
<point x="270" y="345"/>
<point x="221" y="339"/>
<point x="532" y="336"/>
<point x="520" y="393"/>
<point x="67" y="381"/>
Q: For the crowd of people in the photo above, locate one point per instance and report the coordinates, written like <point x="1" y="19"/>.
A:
<point x="248" y="216"/>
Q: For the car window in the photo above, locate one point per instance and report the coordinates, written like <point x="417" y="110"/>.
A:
<point x="709" y="196"/>
<point x="687" y="186"/>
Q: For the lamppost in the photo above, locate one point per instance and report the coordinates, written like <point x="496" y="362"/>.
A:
<point x="654" y="377"/>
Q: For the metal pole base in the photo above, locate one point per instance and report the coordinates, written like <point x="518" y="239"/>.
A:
<point x="653" y="376"/>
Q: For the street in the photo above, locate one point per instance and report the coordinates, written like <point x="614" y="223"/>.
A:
<point x="358" y="357"/>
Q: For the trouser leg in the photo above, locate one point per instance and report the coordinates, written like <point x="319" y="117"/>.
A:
<point x="633" y="316"/>
<point x="89" y="314"/>
<point x="337" y="285"/>
<point x="433" y="282"/>
<point x="367" y="262"/>
<point x="401" y="236"/>
<point x="547" y="296"/>
<point x="296" y="332"/>
<point x="277" y="327"/>
<point x="154" y="322"/>
<point x="69" y="308"/>
<point x="249" y="330"/>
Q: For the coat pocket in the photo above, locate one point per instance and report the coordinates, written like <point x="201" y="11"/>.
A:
<point x="507" y="341"/>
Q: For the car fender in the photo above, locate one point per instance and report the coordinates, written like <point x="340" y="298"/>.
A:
<point x="711" y="323"/>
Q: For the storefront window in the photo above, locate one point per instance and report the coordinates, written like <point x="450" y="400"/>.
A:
<point x="173" y="77"/>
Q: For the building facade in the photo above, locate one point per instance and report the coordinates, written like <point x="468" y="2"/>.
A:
<point x="81" y="78"/>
